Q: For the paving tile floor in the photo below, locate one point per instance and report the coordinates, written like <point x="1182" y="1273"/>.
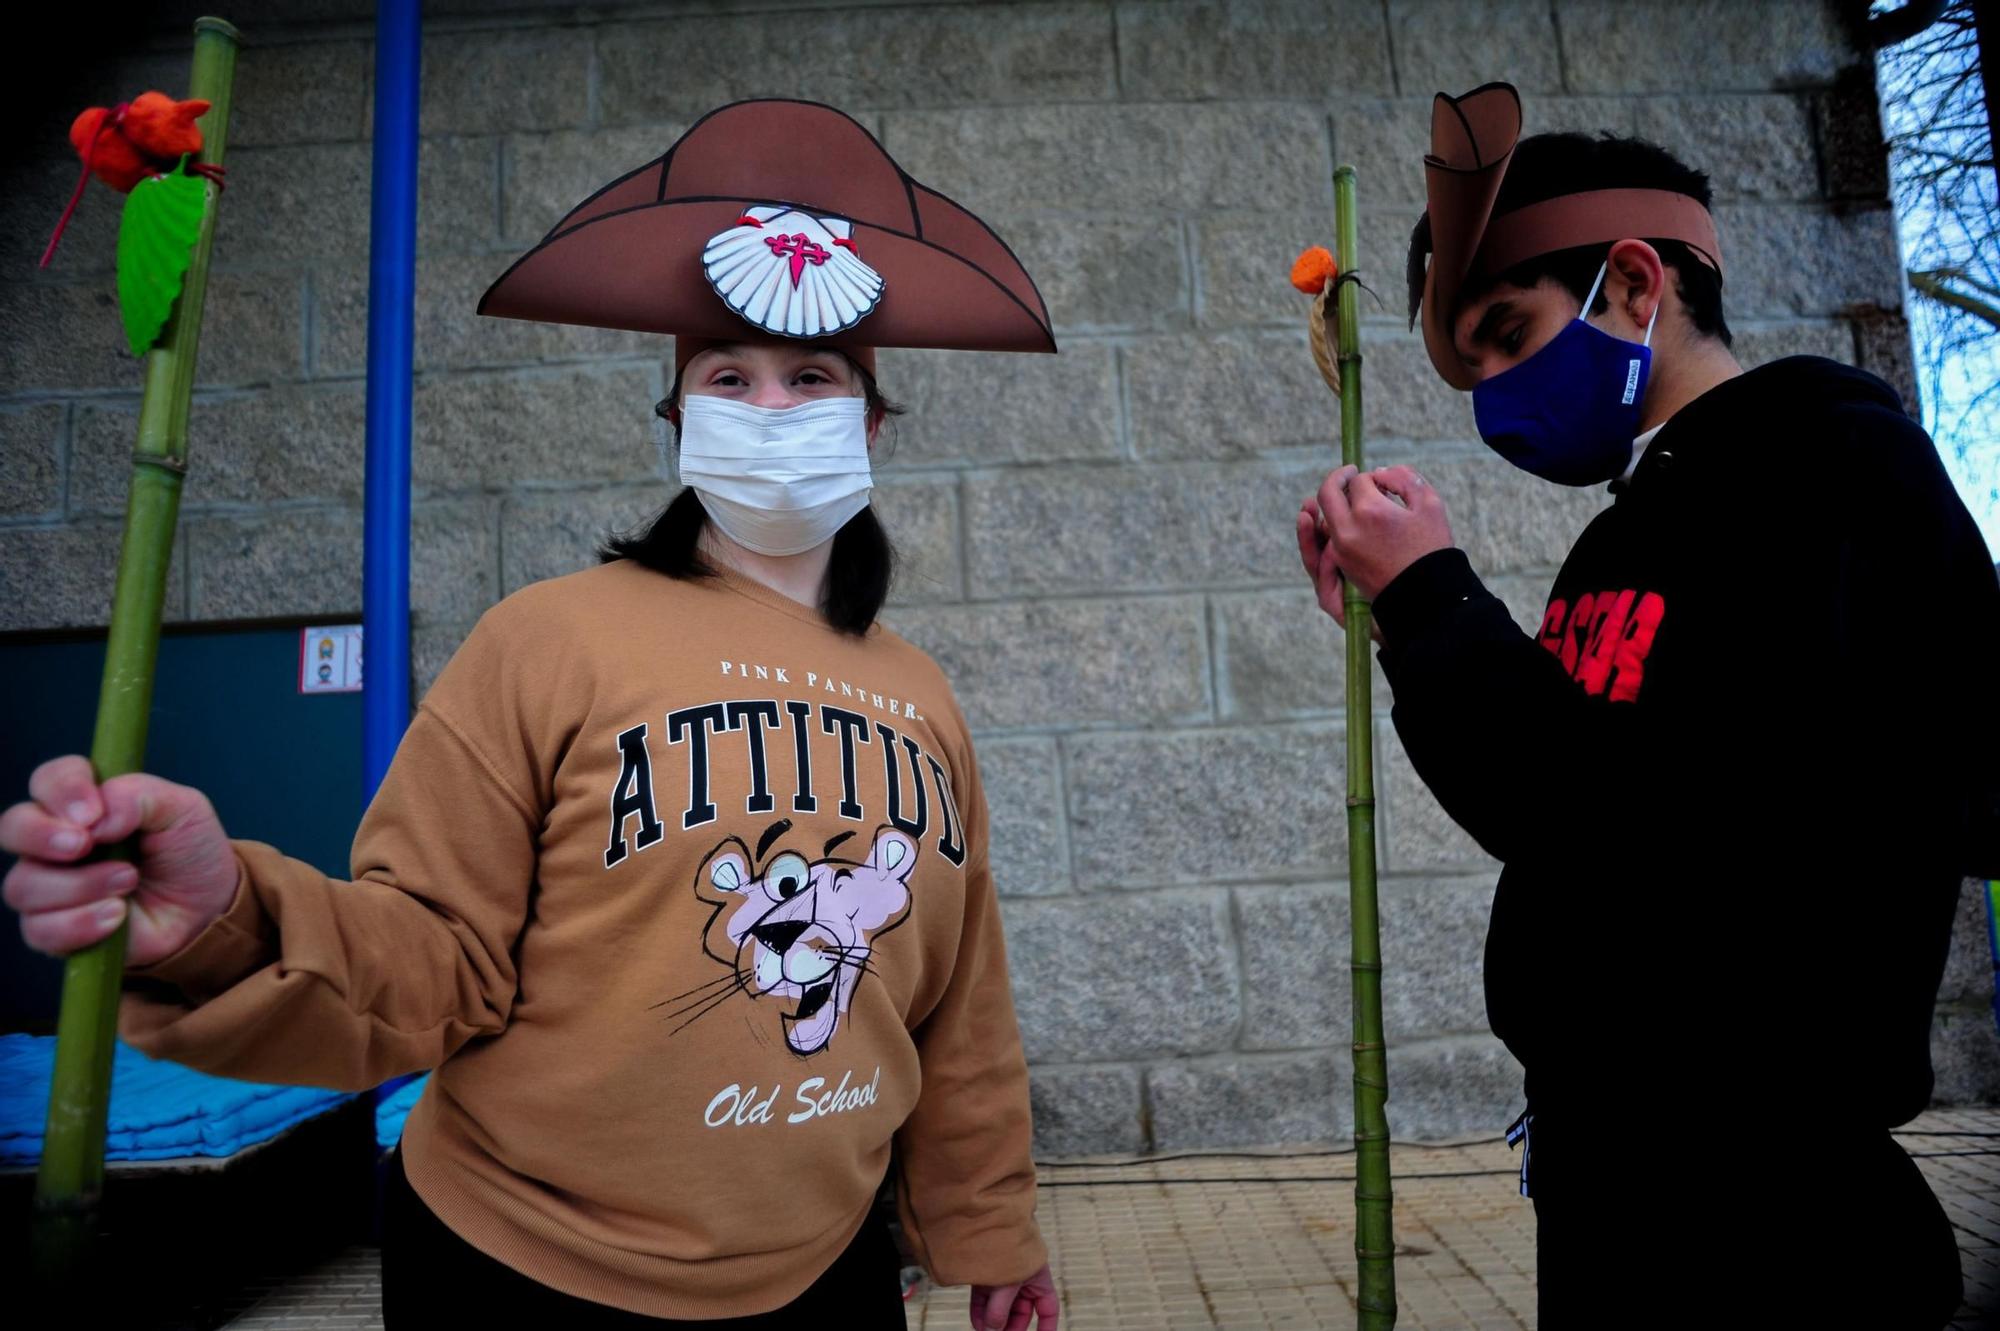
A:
<point x="1250" y="1242"/>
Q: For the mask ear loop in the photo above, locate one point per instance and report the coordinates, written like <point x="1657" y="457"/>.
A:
<point x="1584" y="313"/>
<point x="1591" y="299"/>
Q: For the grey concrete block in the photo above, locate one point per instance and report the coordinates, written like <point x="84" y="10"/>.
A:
<point x="1086" y="1110"/>
<point x="1965" y="1055"/>
<point x="38" y="190"/>
<point x="1084" y="529"/>
<point x="449" y="334"/>
<point x="1297" y="988"/>
<point x="1067" y="663"/>
<point x="1759" y="344"/>
<point x="431" y="645"/>
<point x="1848" y="119"/>
<point x="1278" y="655"/>
<point x="1030" y="845"/>
<point x="1188" y="806"/>
<point x="1789" y="260"/>
<point x="31" y="460"/>
<point x="1109" y="159"/>
<point x="1245" y="262"/>
<point x="311" y="201"/>
<point x="1452" y="45"/>
<point x="978" y="55"/>
<point x="1439" y="1090"/>
<point x="1384" y="139"/>
<point x="64" y="336"/>
<point x="1968" y="971"/>
<point x="1751" y="146"/>
<point x="568" y="427"/>
<point x="309" y="562"/>
<point x="1104" y="274"/>
<point x="1230" y="396"/>
<point x="283" y="443"/>
<point x="968" y="408"/>
<point x="300" y="92"/>
<point x="1122" y="977"/>
<point x="1271" y="1100"/>
<point x="69" y="335"/>
<point x="1699" y="45"/>
<point x="252" y="329"/>
<point x="546" y="175"/>
<point x="504" y="81"/>
<point x="1406" y="399"/>
<point x="455" y="559"/>
<point x="549" y="533"/>
<point x="288" y="563"/>
<point x="1434" y="955"/>
<point x="920" y="513"/>
<point x="62" y="577"/>
<point x="1304" y="49"/>
<point x="1417" y="835"/>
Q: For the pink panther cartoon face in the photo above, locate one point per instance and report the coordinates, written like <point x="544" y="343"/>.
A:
<point x="803" y="931"/>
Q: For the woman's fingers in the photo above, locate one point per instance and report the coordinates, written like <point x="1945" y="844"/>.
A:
<point x="67" y="788"/>
<point x="34" y="887"/>
<point x="31" y="831"/>
<point x="61" y="932"/>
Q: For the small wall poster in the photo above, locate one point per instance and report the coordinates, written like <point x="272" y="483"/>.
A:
<point x="330" y="659"/>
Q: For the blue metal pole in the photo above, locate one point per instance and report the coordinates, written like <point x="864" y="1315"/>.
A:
<point x="392" y="300"/>
<point x="392" y="291"/>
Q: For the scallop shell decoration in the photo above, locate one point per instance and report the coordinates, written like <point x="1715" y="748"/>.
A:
<point x="791" y="273"/>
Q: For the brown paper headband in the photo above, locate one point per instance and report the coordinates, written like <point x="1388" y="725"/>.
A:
<point x="1597" y="217"/>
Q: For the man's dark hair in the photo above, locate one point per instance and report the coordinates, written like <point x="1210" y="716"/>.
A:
<point x="860" y="567"/>
<point x="1548" y="166"/>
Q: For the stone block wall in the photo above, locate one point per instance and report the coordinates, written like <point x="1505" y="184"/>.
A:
<point x="1099" y="543"/>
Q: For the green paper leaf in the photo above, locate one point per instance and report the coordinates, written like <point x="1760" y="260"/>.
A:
<point x="156" y="239"/>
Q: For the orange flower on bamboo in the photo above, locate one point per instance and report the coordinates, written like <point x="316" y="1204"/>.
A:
<point x="1312" y="270"/>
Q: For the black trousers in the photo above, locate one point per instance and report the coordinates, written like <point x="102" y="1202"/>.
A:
<point x="431" y="1278"/>
<point x="1688" y="1232"/>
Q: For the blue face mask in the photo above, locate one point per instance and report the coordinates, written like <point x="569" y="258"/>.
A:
<point x="1569" y="412"/>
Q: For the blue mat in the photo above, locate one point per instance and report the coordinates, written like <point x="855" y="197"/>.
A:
<point x="391" y="1109"/>
<point x="159" y="1111"/>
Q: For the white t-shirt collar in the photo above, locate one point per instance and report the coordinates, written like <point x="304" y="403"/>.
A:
<point x="1639" y="451"/>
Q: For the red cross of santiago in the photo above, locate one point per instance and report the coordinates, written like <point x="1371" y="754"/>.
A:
<point x="803" y="249"/>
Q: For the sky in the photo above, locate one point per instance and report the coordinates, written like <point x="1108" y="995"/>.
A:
<point x="1933" y="112"/>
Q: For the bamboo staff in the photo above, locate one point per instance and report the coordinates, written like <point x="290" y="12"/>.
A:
<point x="1374" y="1230"/>
<point x="71" y="1177"/>
<point x="1340" y="365"/>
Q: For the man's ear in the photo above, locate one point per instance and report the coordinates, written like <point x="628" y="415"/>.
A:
<point x="1635" y="280"/>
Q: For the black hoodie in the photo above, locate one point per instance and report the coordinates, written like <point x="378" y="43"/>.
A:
<point x="1732" y="779"/>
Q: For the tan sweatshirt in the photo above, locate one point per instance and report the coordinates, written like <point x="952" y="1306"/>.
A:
<point x="686" y="897"/>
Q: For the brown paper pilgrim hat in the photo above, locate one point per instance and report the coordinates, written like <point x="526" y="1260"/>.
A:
<point x="1472" y="143"/>
<point x="802" y="194"/>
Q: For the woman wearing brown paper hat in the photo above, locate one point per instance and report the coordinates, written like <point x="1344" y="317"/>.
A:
<point x="679" y="878"/>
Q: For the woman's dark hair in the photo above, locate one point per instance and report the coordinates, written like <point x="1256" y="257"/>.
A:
<point x="1547" y="166"/>
<point x="860" y="568"/>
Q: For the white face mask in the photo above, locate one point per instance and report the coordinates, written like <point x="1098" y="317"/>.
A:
<point x="777" y="480"/>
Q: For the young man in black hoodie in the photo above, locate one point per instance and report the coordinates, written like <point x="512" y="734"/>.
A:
<point x="1732" y="779"/>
